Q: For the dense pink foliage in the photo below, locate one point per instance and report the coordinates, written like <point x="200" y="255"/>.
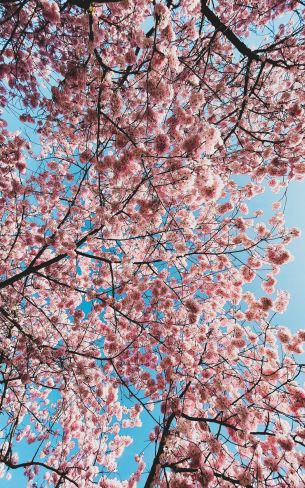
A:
<point x="129" y="248"/>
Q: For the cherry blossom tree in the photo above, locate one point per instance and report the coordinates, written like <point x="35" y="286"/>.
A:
<point x="128" y="252"/>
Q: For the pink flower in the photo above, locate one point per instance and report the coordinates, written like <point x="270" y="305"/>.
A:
<point x="281" y="302"/>
<point x="163" y="15"/>
<point x="210" y="187"/>
<point x="51" y="11"/>
<point x="192" y="143"/>
<point x="269" y="284"/>
<point x="284" y="335"/>
<point x="247" y="273"/>
<point x="130" y="57"/>
<point x="265" y="303"/>
<point x="301" y="335"/>
<point x="278" y="254"/>
<point x="286" y="443"/>
<point x="162" y="143"/>
<point x="31" y="438"/>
